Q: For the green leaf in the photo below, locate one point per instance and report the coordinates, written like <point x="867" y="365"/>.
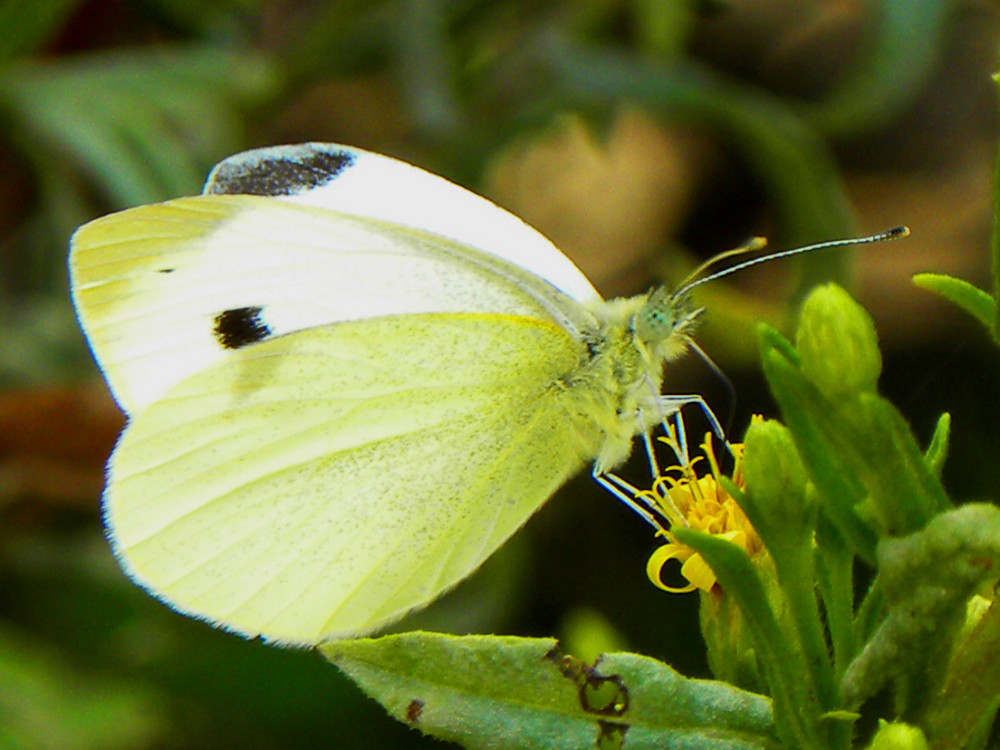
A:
<point x="836" y="336"/>
<point x="795" y="707"/>
<point x="925" y="579"/>
<point x="970" y="298"/>
<point x="164" y="115"/>
<point x="877" y="442"/>
<point x="784" y="514"/>
<point x="507" y="692"/>
<point x="870" y="613"/>
<point x="971" y="693"/>
<point x="937" y="452"/>
<point x="729" y="643"/>
<point x="840" y="491"/>
<point x="835" y="582"/>
<point x="859" y="451"/>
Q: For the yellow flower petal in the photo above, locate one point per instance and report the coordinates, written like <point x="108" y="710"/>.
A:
<point x="698" y="572"/>
<point x="702" y="504"/>
<point x="660" y="557"/>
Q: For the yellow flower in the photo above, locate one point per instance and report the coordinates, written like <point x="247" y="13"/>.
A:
<point x="698" y="503"/>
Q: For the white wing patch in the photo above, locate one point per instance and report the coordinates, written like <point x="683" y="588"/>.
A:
<point x="359" y="182"/>
<point x="163" y="291"/>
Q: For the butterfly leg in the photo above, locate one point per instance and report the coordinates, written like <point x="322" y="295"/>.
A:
<point x="639" y="501"/>
<point x="634" y="499"/>
<point x="670" y="407"/>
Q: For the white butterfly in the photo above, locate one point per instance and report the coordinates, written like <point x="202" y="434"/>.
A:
<point x="348" y="381"/>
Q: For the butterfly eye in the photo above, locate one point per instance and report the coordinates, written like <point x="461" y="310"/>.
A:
<point x="657" y="319"/>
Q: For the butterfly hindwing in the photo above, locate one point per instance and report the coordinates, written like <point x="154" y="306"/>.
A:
<point x="325" y="482"/>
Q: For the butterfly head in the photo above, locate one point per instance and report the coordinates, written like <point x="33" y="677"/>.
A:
<point x="666" y="321"/>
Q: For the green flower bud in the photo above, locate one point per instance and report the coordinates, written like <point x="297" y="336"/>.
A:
<point x="898" y="737"/>
<point x="838" y="344"/>
<point x="776" y="483"/>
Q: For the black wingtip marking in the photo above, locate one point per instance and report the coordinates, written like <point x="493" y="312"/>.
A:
<point x="240" y="327"/>
<point x="279" y="175"/>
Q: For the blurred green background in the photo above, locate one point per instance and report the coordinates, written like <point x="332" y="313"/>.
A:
<point x="640" y="135"/>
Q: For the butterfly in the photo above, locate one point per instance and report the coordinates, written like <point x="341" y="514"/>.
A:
<point x="348" y="381"/>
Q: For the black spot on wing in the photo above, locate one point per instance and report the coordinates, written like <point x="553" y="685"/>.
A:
<point x="240" y="327"/>
<point x="165" y="270"/>
<point x="278" y="173"/>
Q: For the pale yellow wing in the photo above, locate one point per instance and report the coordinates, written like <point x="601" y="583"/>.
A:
<point x="323" y="483"/>
<point x="166" y="290"/>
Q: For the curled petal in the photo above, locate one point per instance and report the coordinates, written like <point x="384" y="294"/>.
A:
<point x="696" y="570"/>
<point x="660" y="557"/>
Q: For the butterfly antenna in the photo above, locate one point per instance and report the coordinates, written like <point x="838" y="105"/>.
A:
<point x="756" y="243"/>
<point x="726" y="382"/>
<point x="752" y="245"/>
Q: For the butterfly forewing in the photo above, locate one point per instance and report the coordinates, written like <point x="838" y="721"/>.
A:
<point x="362" y="183"/>
<point x="166" y="290"/>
